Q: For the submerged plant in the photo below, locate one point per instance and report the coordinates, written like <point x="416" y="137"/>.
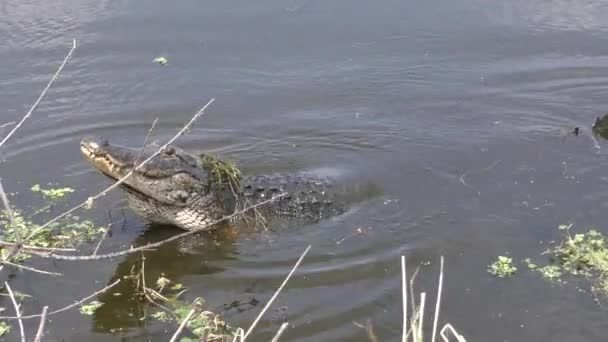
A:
<point x="503" y="267"/>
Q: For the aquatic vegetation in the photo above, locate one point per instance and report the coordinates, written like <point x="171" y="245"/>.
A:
<point x="175" y="310"/>
<point x="224" y="173"/>
<point x="89" y="309"/>
<point x="4" y="328"/>
<point x="67" y="232"/>
<point x="581" y="254"/>
<point x="503" y="267"/>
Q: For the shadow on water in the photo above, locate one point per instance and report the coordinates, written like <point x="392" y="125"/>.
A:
<point x="128" y="309"/>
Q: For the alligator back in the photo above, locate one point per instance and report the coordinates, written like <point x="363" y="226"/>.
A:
<point x="306" y="197"/>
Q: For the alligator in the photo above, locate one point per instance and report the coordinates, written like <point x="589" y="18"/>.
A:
<point x="192" y="191"/>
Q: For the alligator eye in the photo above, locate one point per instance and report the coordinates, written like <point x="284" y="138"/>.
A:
<point x="169" y="151"/>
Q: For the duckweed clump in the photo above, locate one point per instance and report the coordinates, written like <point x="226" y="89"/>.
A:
<point x="503" y="267"/>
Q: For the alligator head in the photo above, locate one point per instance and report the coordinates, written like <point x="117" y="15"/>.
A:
<point x="172" y="188"/>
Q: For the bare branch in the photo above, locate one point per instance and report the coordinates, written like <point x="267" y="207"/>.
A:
<point x="11" y="217"/>
<point x="38" y="248"/>
<point x="66" y="307"/>
<point x="150" y="246"/>
<point x="105" y="234"/>
<point x="18" y="312"/>
<point x="41" y="326"/>
<point x="280" y="332"/>
<point x="196" y="306"/>
<point x="7" y="124"/>
<point x="439" y="289"/>
<point x="404" y="296"/>
<point x="120" y="181"/>
<point x="6" y="262"/>
<point x="29" y="113"/>
<point x="275" y="294"/>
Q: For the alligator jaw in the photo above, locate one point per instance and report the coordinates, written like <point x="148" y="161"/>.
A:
<point x="113" y="161"/>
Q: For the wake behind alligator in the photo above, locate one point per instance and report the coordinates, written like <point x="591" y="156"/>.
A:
<point x="193" y="192"/>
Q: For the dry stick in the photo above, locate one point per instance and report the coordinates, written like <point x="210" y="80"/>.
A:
<point x="7" y="124"/>
<point x="275" y="294"/>
<point x="31" y="269"/>
<point x="29" y="113"/>
<point x="183" y="324"/>
<point x="120" y="181"/>
<point x="15" y="249"/>
<point x="10" y="292"/>
<point x="438" y="300"/>
<point x="156" y="244"/>
<point x="280" y="332"/>
<point x="41" y="326"/>
<point x="421" y="318"/>
<point x="404" y="295"/>
<point x="38" y="248"/>
<point x="66" y="307"/>
<point x="105" y="233"/>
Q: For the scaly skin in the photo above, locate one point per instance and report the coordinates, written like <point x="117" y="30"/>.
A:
<point x="177" y="188"/>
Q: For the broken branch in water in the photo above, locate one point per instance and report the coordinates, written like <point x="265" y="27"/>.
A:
<point x="29" y="113"/>
<point x="255" y="322"/>
<point x="17" y="311"/>
<point x="27" y="268"/>
<point x="196" y="306"/>
<point x="66" y="307"/>
<point x="150" y="246"/>
<point x="280" y="332"/>
<point x="41" y="326"/>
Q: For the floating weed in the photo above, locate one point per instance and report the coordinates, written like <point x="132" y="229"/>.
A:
<point x="581" y="254"/>
<point x="503" y="267"/>
<point x="89" y="309"/>
<point x="52" y="194"/>
<point x="67" y="232"/>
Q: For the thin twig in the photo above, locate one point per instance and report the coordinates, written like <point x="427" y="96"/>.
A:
<point x="27" y="268"/>
<point x="38" y="248"/>
<point x="18" y="312"/>
<point x="66" y="307"/>
<point x="11" y="217"/>
<point x="437" y="306"/>
<point x="41" y="326"/>
<point x="183" y="324"/>
<point x="7" y="124"/>
<point x="421" y="317"/>
<point x="280" y="332"/>
<point x="122" y="180"/>
<point x="105" y="233"/>
<point x="150" y="246"/>
<point x="143" y="147"/>
<point x="41" y="95"/>
<point x="255" y="322"/>
<point x="404" y="296"/>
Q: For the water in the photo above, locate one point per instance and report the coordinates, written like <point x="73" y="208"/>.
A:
<point x="454" y="113"/>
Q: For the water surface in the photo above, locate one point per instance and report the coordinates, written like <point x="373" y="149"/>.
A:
<point x="448" y="119"/>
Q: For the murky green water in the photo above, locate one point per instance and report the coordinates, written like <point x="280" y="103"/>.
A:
<point x="446" y="119"/>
